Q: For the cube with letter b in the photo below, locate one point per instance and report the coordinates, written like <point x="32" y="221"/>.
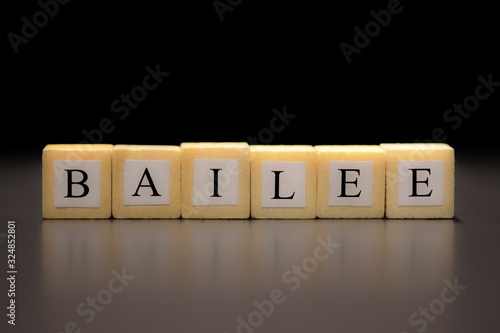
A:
<point x="146" y="181"/>
<point x="420" y="180"/>
<point x="76" y="181"/>
<point x="215" y="180"/>
<point x="283" y="181"/>
<point x="351" y="181"/>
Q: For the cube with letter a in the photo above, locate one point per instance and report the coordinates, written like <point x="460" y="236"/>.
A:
<point x="76" y="181"/>
<point x="215" y="180"/>
<point x="420" y="180"/>
<point x="146" y="181"/>
<point x="283" y="181"/>
<point x="351" y="181"/>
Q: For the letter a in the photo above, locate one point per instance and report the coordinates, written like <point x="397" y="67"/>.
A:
<point x="150" y="184"/>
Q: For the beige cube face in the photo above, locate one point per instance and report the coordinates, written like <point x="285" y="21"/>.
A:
<point x="146" y="181"/>
<point x="351" y="181"/>
<point x="420" y="180"/>
<point x="283" y="182"/>
<point x="76" y="181"/>
<point x="215" y="180"/>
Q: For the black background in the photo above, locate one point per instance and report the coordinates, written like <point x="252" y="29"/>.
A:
<point x="227" y="76"/>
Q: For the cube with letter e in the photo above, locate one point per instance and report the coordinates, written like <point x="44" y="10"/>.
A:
<point x="420" y="180"/>
<point x="351" y="181"/>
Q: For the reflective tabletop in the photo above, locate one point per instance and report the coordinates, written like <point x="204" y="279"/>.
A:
<point x="320" y="275"/>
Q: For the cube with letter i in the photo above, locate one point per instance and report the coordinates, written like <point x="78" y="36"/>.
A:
<point x="351" y="181"/>
<point x="215" y="180"/>
<point x="146" y="181"/>
<point x="420" y="180"/>
<point x="283" y="181"/>
<point x="76" y="181"/>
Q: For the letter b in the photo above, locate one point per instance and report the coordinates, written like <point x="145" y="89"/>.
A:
<point x="77" y="183"/>
<point x="85" y="187"/>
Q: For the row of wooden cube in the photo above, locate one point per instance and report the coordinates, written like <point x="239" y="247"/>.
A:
<point x="235" y="180"/>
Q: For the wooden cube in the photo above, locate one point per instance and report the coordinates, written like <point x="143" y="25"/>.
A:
<point x="283" y="182"/>
<point x="420" y="180"/>
<point x="146" y="181"/>
<point x="76" y="181"/>
<point x="351" y="181"/>
<point x="215" y="180"/>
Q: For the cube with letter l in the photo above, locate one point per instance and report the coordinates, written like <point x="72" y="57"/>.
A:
<point x="283" y="181"/>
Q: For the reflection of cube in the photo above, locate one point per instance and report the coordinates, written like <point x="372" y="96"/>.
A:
<point x="420" y="180"/>
<point x="351" y="181"/>
<point x="146" y="181"/>
<point x="77" y="181"/>
<point x="283" y="182"/>
<point x="215" y="180"/>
